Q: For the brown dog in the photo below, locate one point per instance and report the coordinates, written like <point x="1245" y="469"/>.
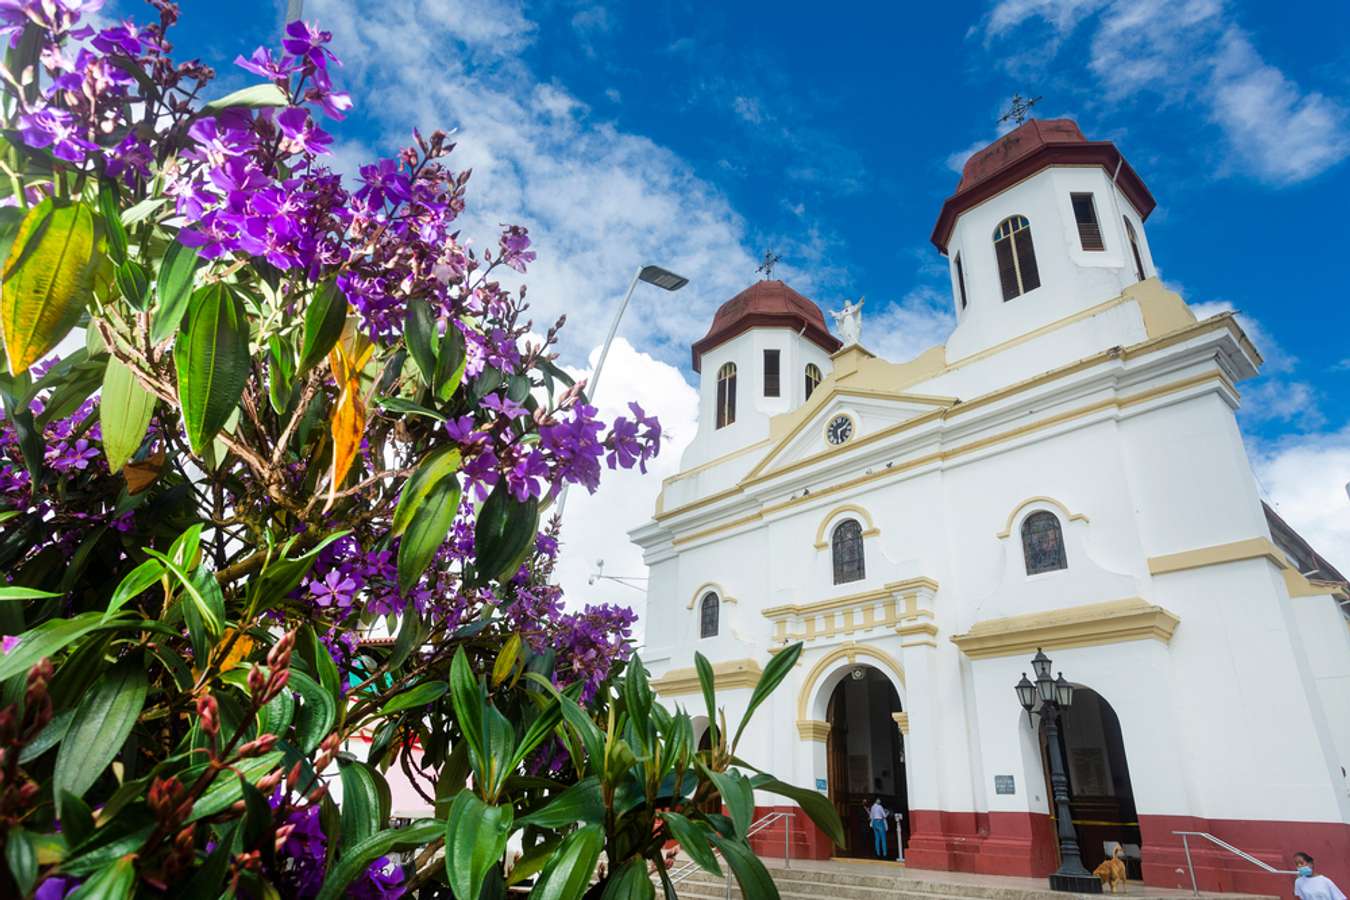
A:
<point x="1112" y="871"/>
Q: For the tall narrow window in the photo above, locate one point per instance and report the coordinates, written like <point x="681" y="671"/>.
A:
<point x="1017" y="270"/>
<point x="707" y="615"/>
<point x="961" y="281"/>
<point x="771" y="373"/>
<point x="812" y="379"/>
<point x="1043" y="543"/>
<point x="726" y="395"/>
<point x="1085" y="214"/>
<point x="1134" y="248"/>
<point x="847" y="547"/>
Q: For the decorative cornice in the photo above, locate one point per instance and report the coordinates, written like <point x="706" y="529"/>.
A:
<point x="813" y="730"/>
<point x="1217" y="554"/>
<point x="1112" y="622"/>
<point x="902" y="605"/>
<point x="901" y="722"/>
<point x="728" y="675"/>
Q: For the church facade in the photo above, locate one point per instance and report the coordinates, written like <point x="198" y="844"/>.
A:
<point x="1066" y="473"/>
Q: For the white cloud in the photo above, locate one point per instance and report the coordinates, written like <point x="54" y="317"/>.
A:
<point x="901" y="330"/>
<point x="1178" y="50"/>
<point x="1305" y="480"/>
<point x="1276" y="396"/>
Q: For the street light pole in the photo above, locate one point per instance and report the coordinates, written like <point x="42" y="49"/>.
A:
<point x="1055" y="696"/>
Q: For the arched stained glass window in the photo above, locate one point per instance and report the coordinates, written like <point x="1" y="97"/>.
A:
<point x="1043" y="543"/>
<point x="847" y="547"/>
<point x="1017" y="272"/>
<point x="726" y="395"/>
<point x="812" y="379"/>
<point x="707" y="615"/>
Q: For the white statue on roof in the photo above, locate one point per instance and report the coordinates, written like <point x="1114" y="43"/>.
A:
<point x="848" y="321"/>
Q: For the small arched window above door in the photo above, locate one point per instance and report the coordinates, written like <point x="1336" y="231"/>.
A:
<point x="846" y="544"/>
<point x="1016" y="255"/>
<point x="708" y="611"/>
<point x="1043" y="543"/>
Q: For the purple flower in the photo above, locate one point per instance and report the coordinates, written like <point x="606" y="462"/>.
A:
<point x="125" y="38"/>
<point x="55" y="888"/>
<point x="130" y="160"/>
<point x="505" y="405"/>
<point x="262" y="63"/>
<point x="307" y="41"/>
<point x="525" y="478"/>
<point x="76" y="456"/>
<point x="514" y="246"/>
<point x="334" y="590"/>
<point x="302" y="135"/>
<point x="55" y="128"/>
<point x="383" y="181"/>
<point x="8" y="642"/>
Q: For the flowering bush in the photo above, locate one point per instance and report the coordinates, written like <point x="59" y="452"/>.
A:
<point x="301" y="412"/>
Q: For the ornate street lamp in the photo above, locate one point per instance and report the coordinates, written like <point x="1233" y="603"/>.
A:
<point x="1050" y="697"/>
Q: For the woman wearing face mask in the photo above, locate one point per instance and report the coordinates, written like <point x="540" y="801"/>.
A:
<point x="1313" y="887"/>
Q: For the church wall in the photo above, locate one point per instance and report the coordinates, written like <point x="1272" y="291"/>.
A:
<point x="1324" y="639"/>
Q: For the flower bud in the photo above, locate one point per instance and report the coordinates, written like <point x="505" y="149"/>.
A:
<point x="257" y="680"/>
<point x="208" y="713"/>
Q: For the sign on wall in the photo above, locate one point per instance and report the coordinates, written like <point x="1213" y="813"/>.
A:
<point x="821" y="785"/>
<point x="1004" y="784"/>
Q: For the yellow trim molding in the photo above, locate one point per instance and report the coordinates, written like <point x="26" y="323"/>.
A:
<point x="901" y="722"/>
<point x="706" y="587"/>
<point x="893" y="604"/>
<point x="850" y="651"/>
<point x="813" y="730"/>
<point x="1045" y="501"/>
<point x="1217" y="554"/>
<point x="870" y="530"/>
<point x="728" y="675"/>
<point x="1112" y="622"/>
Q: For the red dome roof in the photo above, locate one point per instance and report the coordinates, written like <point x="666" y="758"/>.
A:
<point x="1024" y="151"/>
<point x="766" y="304"/>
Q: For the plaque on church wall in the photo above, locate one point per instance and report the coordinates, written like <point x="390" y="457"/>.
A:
<point x="821" y="785"/>
<point x="1004" y="784"/>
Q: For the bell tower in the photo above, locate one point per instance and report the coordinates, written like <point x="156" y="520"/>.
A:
<point x="1044" y="224"/>
<point x="766" y="350"/>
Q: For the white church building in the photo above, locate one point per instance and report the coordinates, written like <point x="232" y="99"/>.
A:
<point x="1066" y="473"/>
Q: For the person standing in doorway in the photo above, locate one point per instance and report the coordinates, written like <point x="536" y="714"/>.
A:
<point x="1309" y="886"/>
<point x="878" y="814"/>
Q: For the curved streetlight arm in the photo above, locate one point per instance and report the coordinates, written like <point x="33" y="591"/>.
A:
<point x="609" y="338"/>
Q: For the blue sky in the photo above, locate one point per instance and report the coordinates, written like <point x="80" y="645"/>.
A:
<point x="699" y="134"/>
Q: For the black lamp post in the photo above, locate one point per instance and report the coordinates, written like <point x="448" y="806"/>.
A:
<point x="1050" y="697"/>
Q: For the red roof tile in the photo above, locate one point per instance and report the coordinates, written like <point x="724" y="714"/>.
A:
<point x="766" y="304"/>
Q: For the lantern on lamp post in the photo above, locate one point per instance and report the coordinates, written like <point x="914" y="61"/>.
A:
<point x="1049" y="698"/>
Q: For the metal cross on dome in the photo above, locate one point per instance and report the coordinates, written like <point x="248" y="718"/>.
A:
<point x="1017" y="113"/>
<point x="770" y="260"/>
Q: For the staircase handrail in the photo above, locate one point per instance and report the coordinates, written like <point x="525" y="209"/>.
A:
<point x="755" y="828"/>
<point x="1220" y="842"/>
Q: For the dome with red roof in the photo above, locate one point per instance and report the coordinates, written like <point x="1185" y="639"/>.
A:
<point x="766" y="304"/>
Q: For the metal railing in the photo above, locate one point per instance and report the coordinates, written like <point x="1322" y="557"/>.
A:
<point x="1219" y="842"/>
<point x="755" y="828"/>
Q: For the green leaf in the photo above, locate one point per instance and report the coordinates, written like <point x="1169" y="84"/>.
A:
<point x="209" y="608"/>
<point x="815" y="804"/>
<point x="324" y="666"/>
<point x="532" y="862"/>
<point x="426" y="530"/>
<point x="258" y="95"/>
<point x="737" y="795"/>
<point x="360" y="804"/>
<point x="77" y="819"/>
<point x="434" y="468"/>
<point x="47" y="639"/>
<point x="749" y="871"/>
<point x="466" y="695"/>
<point x="421" y="339"/>
<point x="693" y="840"/>
<point x="12" y="592"/>
<point x="21" y="857"/>
<point x="707" y="683"/>
<point x="113" y="882"/>
<point x="103" y="720"/>
<point x="48" y="279"/>
<point x="133" y="283"/>
<point x="630" y="882"/>
<point x="568" y="875"/>
<point x="358" y="858"/>
<point x="774" y="673"/>
<point x="124" y="414"/>
<point x="141" y="211"/>
<point x="280" y="375"/>
<point x="225" y="791"/>
<point x="581" y="802"/>
<point x="112" y="221"/>
<point x="324" y="318"/>
<point x="213" y="362"/>
<point x="211" y="875"/>
<point x="504" y="533"/>
<point x="421" y="695"/>
<point x="139" y="579"/>
<point x="275" y="717"/>
<point x="407" y="407"/>
<point x="49" y="736"/>
<point x="475" y="840"/>
<point x="317" y="714"/>
<point x="450" y="362"/>
<point x="506" y="659"/>
<point x="176" y="273"/>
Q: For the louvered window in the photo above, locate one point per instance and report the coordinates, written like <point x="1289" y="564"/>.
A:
<point x="1134" y="248"/>
<point x="1017" y="272"/>
<point x="1085" y="214"/>
<point x="1043" y="543"/>
<point x="771" y="373"/>
<point x="726" y="395"/>
<point x="847" y="548"/>
<point x="812" y="379"/>
<point x="707" y="615"/>
<point x="961" y="280"/>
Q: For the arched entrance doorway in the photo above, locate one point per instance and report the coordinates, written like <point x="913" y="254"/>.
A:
<point x="1101" y="798"/>
<point x="866" y="758"/>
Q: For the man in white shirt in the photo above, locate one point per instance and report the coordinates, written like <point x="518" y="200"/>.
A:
<point x="878" y="813"/>
<point x="1308" y="886"/>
